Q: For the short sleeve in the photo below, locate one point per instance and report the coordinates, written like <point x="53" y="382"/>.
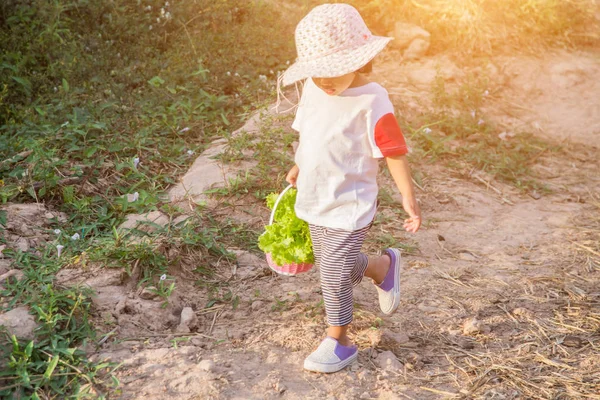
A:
<point x="388" y="136"/>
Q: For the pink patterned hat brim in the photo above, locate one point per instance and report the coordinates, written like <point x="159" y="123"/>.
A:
<point x="336" y="64"/>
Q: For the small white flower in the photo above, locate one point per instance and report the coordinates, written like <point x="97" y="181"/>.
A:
<point x="133" y="197"/>
<point x="486" y="93"/>
<point x="287" y="62"/>
<point x="148" y="8"/>
<point x="55" y="89"/>
<point x="167" y="4"/>
<point x="136" y="162"/>
<point x="236" y="74"/>
<point x="427" y="131"/>
<point x="262" y="78"/>
<point x="190" y="152"/>
<point x="506" y="135"/>
<point x="168" y="16"/>
<point x="480" y="122"/>
<point x="473" y="114"/>
<point x="59" y="248"/>
<point x="163" y="277"/>
<point x="228" y="73"/>
<point x="150" y="28"/>
<point x="162" y="12"/>
<point x="271" y="72"/>
<point x="184" y="130"/>
<point x="75" y="236"/>
<point x="157" y="20"/>
<point x="57" y="231"/>
<point x="236" y="95"/>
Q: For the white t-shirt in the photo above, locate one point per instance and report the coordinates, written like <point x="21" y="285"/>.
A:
<point x="341" y="138"/>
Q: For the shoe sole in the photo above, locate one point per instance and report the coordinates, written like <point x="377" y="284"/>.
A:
<point x="396" y="289"/>
<point x="329" y="368"/>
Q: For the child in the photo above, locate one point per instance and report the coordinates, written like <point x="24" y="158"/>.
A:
<point x="346" y="124"/>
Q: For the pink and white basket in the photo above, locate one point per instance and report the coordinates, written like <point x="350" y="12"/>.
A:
<point x="287" y="269"/>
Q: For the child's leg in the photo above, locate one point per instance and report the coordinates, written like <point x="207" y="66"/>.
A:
<point x="341" y="266"/>
<point x="316" y="236"/>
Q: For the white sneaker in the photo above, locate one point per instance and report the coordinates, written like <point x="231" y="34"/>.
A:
<point x="389" y="289"/>
<point x="330" y="356"/>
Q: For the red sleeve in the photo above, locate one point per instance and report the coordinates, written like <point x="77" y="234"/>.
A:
<point x="389" y="137"/>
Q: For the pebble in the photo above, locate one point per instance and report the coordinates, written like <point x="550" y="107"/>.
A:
<point x="257" y="305"/>
<point x="188" y="317"/>
<point x="22" y="244"/>
<point x="147" y="294"/>
<point x="471" y="326"/>
<point x="13" y="273"/>
<point x="207" y="365"/>
<point x="388" y="361"/>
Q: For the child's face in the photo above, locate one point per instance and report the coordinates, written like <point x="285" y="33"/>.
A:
<point x="335" y="86"/>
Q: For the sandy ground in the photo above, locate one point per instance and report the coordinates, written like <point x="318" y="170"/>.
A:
<point x="500" y="300"/>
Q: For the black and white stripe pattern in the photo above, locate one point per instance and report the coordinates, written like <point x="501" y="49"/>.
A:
<point x="342" y="266"/>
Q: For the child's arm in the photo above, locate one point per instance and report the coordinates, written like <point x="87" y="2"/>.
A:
<point x="400" y="170"/>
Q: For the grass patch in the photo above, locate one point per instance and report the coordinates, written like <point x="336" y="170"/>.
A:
<point x="457" y="132"/>
<point x="53" y="364"/>
<point x="104" y="100"/>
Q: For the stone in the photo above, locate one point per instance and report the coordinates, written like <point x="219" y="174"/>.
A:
<point x="4" y="265"/>
<point x="257" y="305"/>
<point x="396" y="338"/>
<point x="188" y="318"/>
<point x="417" y="49"/>
<point x="13" y="273"/>
<point x="471" y="326"/>
<point x="19" y="322"/>
<point x="404" y="34"/>
<point x="145" y="222"/>
<point x="22" y="244"/>
<point x="207" y="365"/>
<point x="248" y="264"/>
<point x="389" y="362"/>
<point x="522" y="312"/>
<point x="148" y="293"/>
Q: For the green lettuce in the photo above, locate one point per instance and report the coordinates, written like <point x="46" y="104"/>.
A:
<point x="288" y="238"/>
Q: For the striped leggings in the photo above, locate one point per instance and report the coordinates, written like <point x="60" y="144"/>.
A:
<point x="342" y="266"/>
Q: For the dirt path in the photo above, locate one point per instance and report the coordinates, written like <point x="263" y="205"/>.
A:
<point x="500" y="301"/>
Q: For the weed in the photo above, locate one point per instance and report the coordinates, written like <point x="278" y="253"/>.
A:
<point x="163" y="289"/>
<point x="456" y="132"/>
<point x="52" y="363"/>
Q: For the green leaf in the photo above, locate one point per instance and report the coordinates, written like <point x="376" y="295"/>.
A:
<point x="29" y="349"/>
<point x="24" y="82"/>
<point x="224" y="118"/>
<point x="156" y="81"/>
<point x="65" y="85"/>
<point x="51" y="367"/>
<point x="3" y="217"/>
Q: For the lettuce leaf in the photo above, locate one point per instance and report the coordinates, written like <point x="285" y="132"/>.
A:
<point x="288" y="238"/>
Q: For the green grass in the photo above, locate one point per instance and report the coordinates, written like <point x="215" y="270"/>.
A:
<point x="457" y="132"/>
<point x="99" y="100"/>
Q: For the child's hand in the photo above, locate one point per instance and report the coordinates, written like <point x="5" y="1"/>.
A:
<point x="292" y="176"/>
<point x="411" y="206"/>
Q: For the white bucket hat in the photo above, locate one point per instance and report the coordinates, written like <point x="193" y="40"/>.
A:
<point x="332" y="40"/>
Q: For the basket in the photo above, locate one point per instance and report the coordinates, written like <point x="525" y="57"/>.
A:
<point x="287" y="269"/>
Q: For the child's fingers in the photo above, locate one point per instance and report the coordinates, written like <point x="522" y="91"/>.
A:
<point x="412" y="224"/>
